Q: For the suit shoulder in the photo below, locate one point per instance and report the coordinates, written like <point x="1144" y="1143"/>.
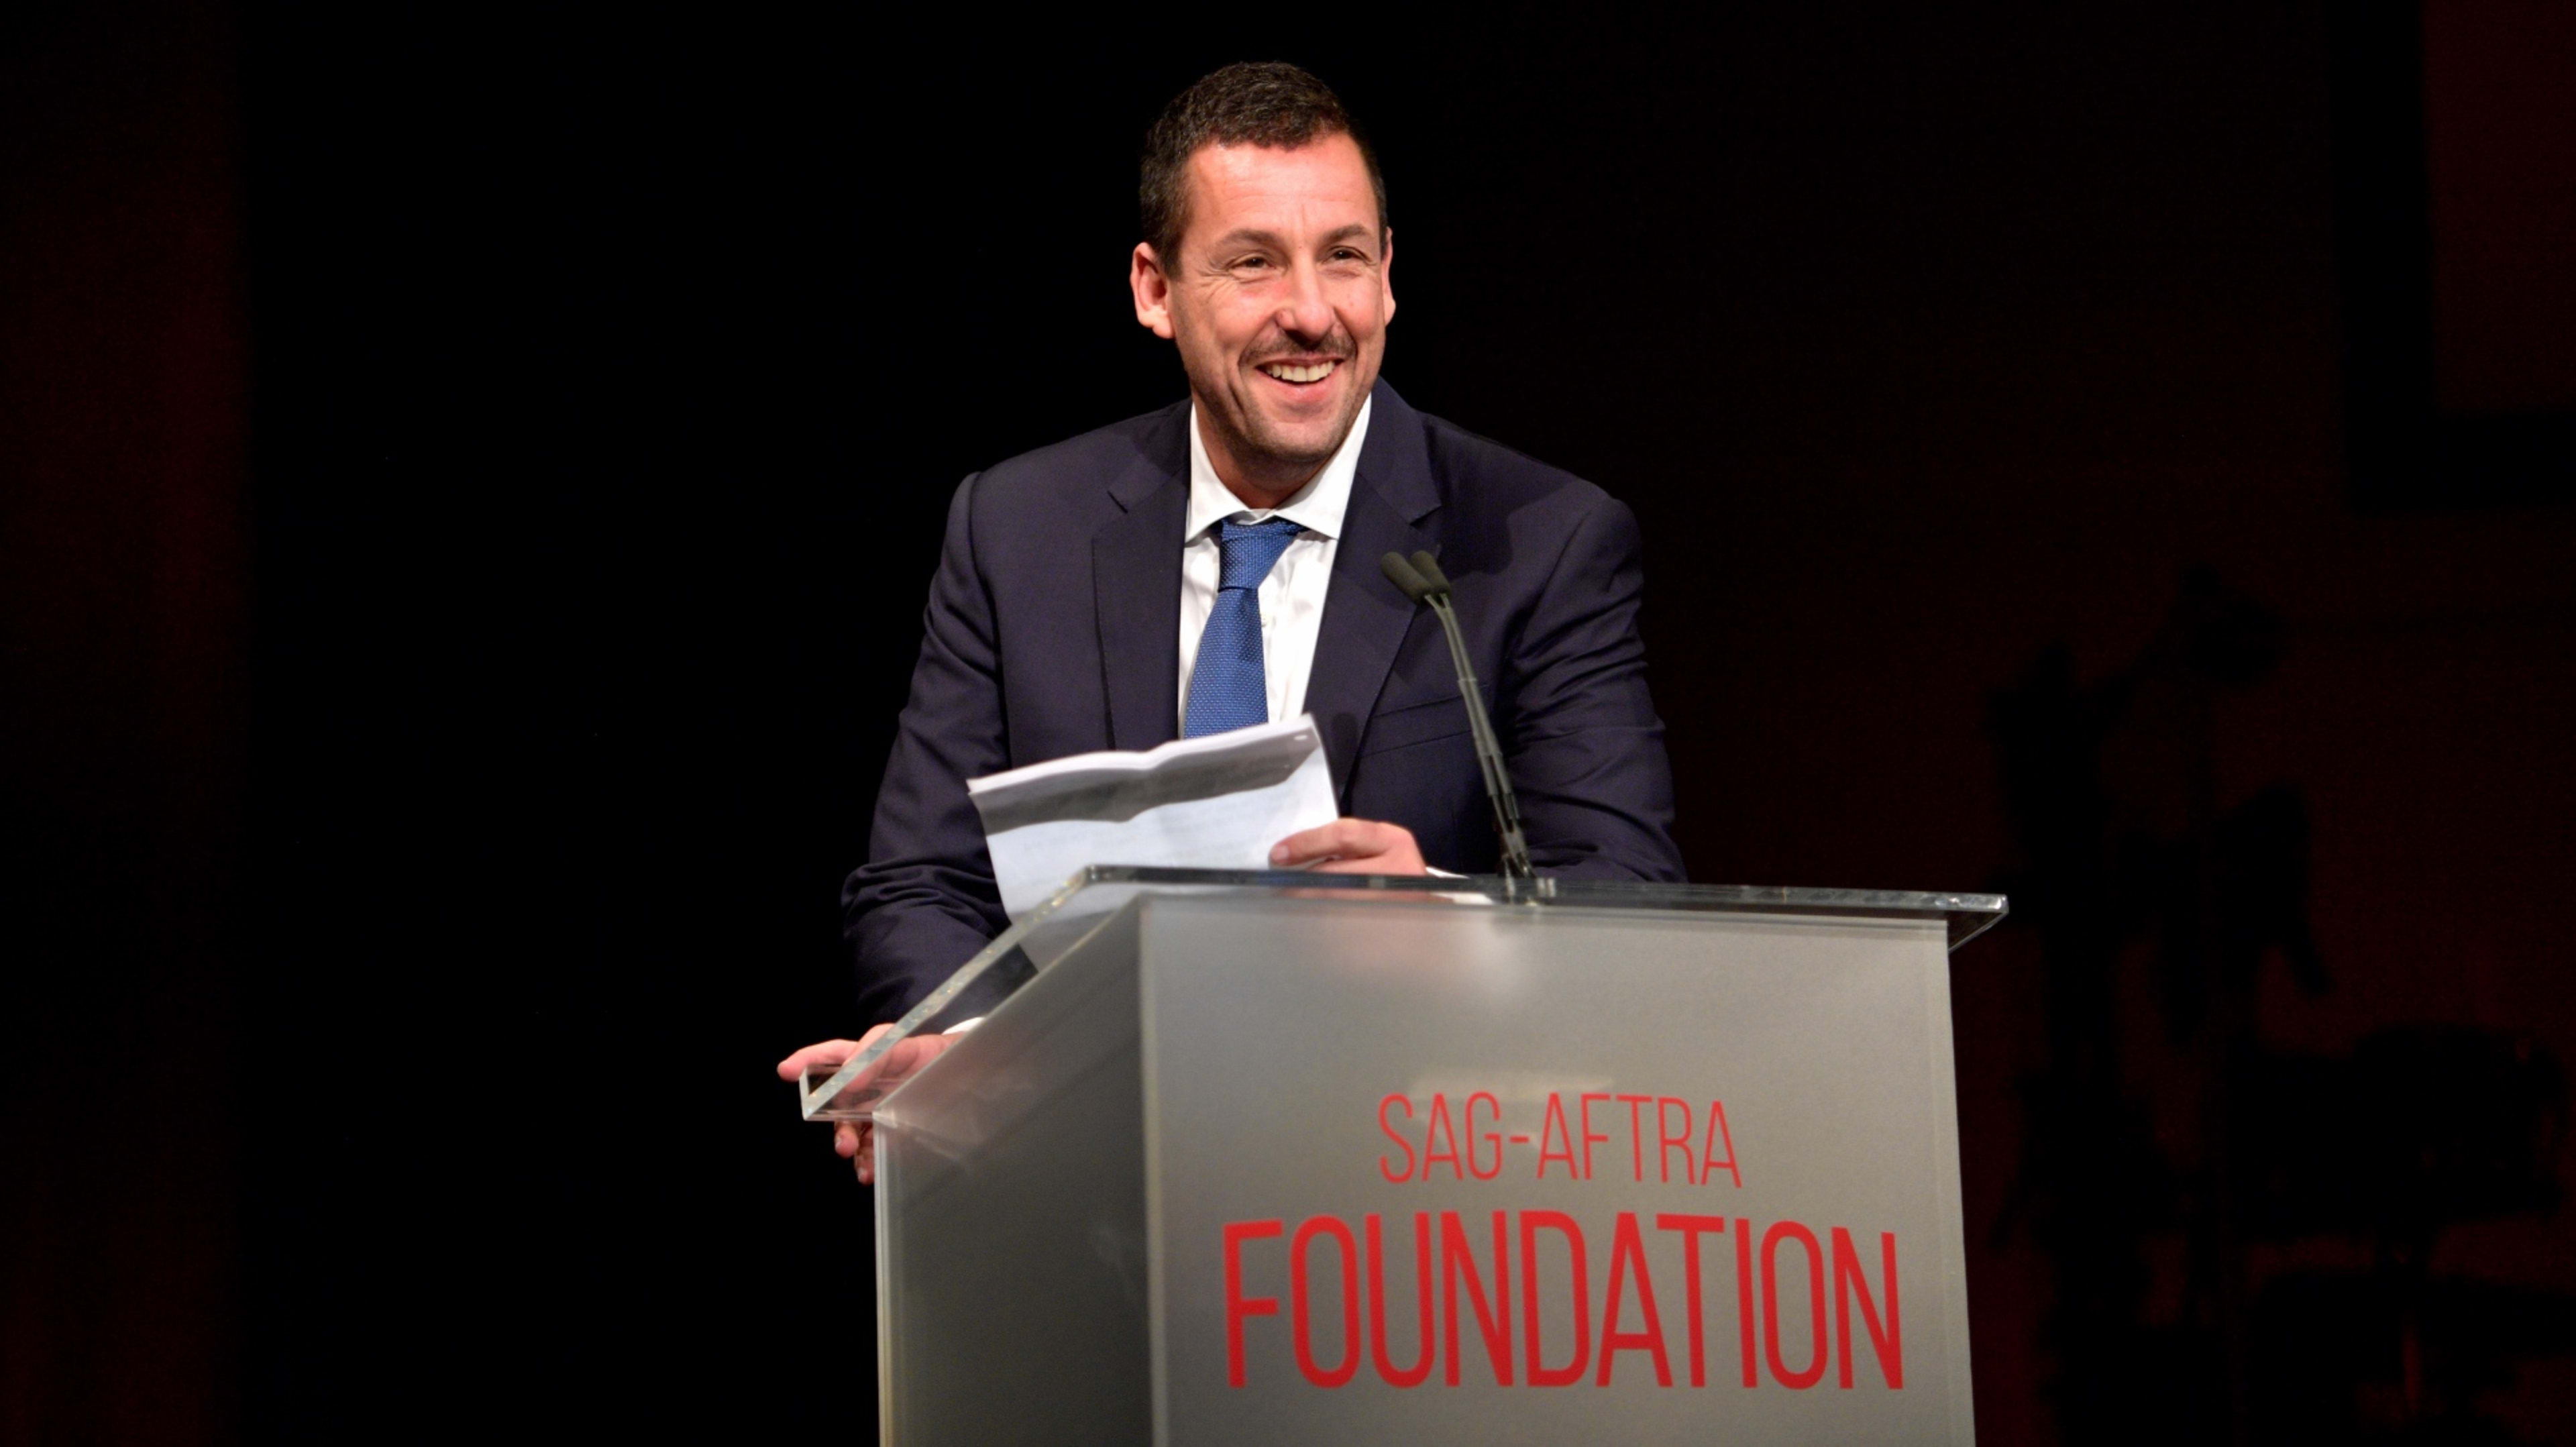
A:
<point x="1478" y="470"/>
<point x="1088" y="463"/>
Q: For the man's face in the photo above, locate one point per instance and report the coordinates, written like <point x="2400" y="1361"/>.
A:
<point x="1278" y="301"/>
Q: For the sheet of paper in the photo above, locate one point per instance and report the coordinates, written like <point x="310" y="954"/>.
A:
<point x="1217" y="802"/>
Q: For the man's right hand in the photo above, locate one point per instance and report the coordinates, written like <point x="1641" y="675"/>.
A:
<point x="856" y="1139"/>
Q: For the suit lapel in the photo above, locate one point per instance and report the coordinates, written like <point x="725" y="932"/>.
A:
<point x="1365" y="616"/>
<point x="1136" y="589"/>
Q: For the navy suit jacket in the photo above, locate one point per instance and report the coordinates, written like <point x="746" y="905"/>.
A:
<point x="1054" y="625"/>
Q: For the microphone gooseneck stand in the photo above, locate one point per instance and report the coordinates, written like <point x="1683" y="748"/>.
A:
<point x="1424" y="583"/>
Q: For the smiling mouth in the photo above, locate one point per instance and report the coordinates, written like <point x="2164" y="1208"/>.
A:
<point x="1299" y="372"/>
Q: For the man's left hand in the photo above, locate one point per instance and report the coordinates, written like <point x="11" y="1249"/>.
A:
<point x="1351" y="846"/>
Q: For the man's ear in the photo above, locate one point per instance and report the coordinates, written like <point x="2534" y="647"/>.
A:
<point x="1386" y="268"/>
<point x="1153" y="291"/>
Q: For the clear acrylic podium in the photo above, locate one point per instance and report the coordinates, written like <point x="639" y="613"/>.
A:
<point x="1248" y="1158"/>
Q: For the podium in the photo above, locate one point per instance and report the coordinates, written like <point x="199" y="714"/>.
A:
<point x="1253" y="1157"/>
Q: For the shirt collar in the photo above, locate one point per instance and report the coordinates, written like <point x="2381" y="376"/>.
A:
<point x="1317" y="507"/>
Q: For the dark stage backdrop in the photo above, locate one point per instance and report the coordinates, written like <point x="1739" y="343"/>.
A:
<point x="1976" y="372"/>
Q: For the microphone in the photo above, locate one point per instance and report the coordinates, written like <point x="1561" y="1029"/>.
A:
<point x="1423" y="582"/>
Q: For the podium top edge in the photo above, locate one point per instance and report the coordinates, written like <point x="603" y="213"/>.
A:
<point x="1091" y="897"/>
<point x="1969" y="915"/>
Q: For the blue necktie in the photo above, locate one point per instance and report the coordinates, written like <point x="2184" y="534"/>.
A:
<point x="1227" y="688"/>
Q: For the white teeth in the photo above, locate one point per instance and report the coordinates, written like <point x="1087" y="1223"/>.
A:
<point x="1316" y="373"/>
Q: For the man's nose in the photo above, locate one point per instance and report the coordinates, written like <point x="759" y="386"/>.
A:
<point x="1306" y="313"/>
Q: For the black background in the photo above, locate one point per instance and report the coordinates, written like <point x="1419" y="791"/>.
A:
<point x="477" y="470"/>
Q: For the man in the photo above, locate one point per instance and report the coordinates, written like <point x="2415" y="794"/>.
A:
<point x="1215" y="564"/>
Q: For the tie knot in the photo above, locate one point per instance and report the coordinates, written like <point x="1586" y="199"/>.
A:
<point x="1246" y="551"/>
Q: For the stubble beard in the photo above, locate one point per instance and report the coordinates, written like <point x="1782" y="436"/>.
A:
<point x="1269" y="455"/>
<point x="1274" y="451"/>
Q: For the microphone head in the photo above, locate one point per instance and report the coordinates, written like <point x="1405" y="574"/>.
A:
<point x="1429" y="569"/>
<point x="1401" y="574"/>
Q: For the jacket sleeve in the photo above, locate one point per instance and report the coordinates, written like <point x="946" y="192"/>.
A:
<point x="1585" y="748"/>
<point x="925" y="901"/>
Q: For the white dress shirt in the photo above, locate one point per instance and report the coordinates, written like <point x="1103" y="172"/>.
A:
<point x="1292" y="596"/>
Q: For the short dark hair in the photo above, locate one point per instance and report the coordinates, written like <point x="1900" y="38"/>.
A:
<point x="1265" y="103"/>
